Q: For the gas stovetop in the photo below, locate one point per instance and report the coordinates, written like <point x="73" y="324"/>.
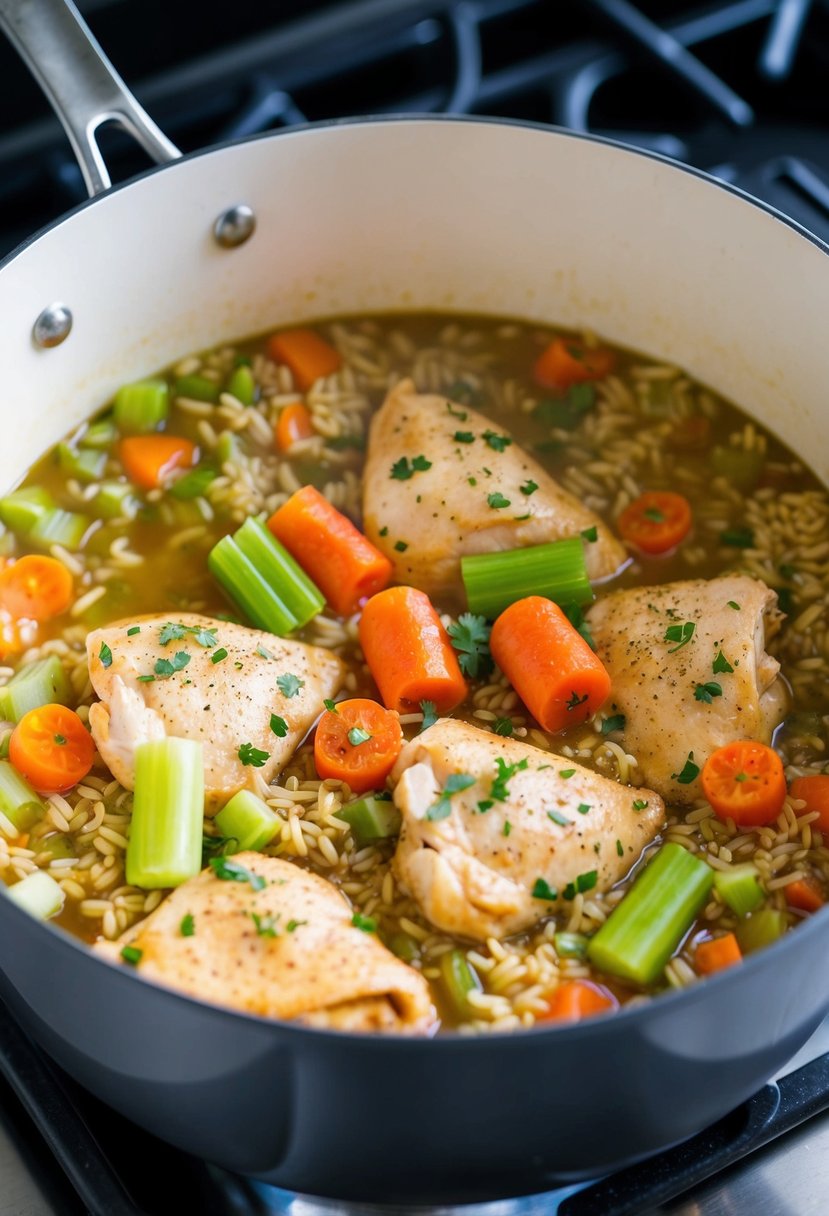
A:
<point x="737" y="88"/>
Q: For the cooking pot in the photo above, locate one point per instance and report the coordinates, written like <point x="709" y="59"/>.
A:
<point x="380" y="215"/>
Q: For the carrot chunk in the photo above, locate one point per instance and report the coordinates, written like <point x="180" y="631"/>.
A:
<point x="804" y="894"/>
<point x="307" y="355"/>
<point x="566" y="362"/>
<point x="814" y="791"/>
<point x="358" y="743"/>
<point x="656" y="521"/>
<point x="35" y="588"/>
<point x="717" y="954"/>
<point x="341" y="561"/>
<point x="744" y="781"/>
<point x="52" y="748"/>
<point x="577" y="999"/>
<point x="150" y="460"/>
<point x="294" y="423"/>
<point x="549" y="664"/>
<point x="408" y="651"/>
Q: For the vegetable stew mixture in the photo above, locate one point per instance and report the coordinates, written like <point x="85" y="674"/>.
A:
<point x="410" y="672"/>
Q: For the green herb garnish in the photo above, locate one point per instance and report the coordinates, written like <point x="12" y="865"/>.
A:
<point x="455" y="782"/>
<point x="169" y="667"/>
<point x="105" y="655"/>
<point x="707" y="692"/>
<point x="367" y="923"/>
<point x="132" y="955"/>
<point x="401" y="470"/>
<point x="495" y="441"/>
<point x="499" y="791"/>
<point x="470" y="638"/>
<point x="721" y="664"/>
<point x="289" y="685"/>
<point x="681" y="634"/>
<point x="279" y="727"/>
<point x="689" y="773"/>
<point x="357" y="735"/>
<point x="615" y="722"/>
<point x="254" y="756"/>
<point x="430" y="715"/>
<point x="543" y="890"/>
<point x="229" y="870"/>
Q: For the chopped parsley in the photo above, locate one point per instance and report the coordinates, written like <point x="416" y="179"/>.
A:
<point x="495" y="441"/>
<point x="293" y="925"/>
<point x="497" y="501"/>
<point x="401" y="470"/>
<point x="455" y="782"/>
<point x="263" y="652"/>
<point x="357" y="735"/>
<point x="171" y="632"/>
<point x="738" y="538"/>
<point x="218" y="655"/>
<point x="401" y="546"/>
<point x="461" y="415"/>
<point x="187" y="928"/>
<point x="561" y="820"/>
<point x="499" y="791"/>
<point x="584" y="882"/>
<point x="105" y="655"/>
<point x="289" y="685"/>
<point x="620" y="848"/>
<point x="639" y="804"/>
<point x="590" y="534"/>
<point x="575" y="616"/>
<point x="707" y="692"/>
<point x="430" y="714"/>
<point x="689" y="773"/>
<point x="254" y="756"/>
<point x="564" y="772"/>
<point x="741" y="777"/>
<point x="265" y="925"/>
<point x="721" y="664"/>
<point x="229" y="870"/>
<point x="384" y="531"/>
<point x="575" y="700"/>
<point x="169" y="667"/>
<point x="463" y="437"/>
<point x="584" y="807"/>
<point x="330" y="705"/>
<point x="654" y="514"/>
<point x="681" y="634"/>
<point x="145" y="679"/>
<point x="529" y="487"/>
<point x="485" y="805"/>
<point x="132" y="955"/>
<point x="735" y="606"/>
<point x="133" y="631"/>
<point x="60" y="740"/>
<point x="279" y="727"/>
<point x="615" y="722"/>
<point x="367" y="923"/>
<point x="503" y="726"/>
<point x="470" y="638"/>
<point x="543" y="890"/>
<point x="205" y="637"/>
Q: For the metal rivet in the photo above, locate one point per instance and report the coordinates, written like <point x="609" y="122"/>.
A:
<point x="52" y="326"/>
<point x="234" y="226"/>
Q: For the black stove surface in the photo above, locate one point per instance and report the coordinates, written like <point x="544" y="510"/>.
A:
<point x="737" y="88"/>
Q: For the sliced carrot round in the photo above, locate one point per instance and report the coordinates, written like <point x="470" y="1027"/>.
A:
<point x="566" y="362"/>
<point x="35" y="588"/>
<point x="577" y="999"/>
<point x="51" y="748"/>
<point x="744" y="781"/>
<point x="150" y="460"/>
<point x="656" y="521"/>
<point x="358" y="743"/>
<point x="805" y="894"/>
<point x="814" y="791"/>
<point x="294" y="423"/>
<point x="308" y="355"/>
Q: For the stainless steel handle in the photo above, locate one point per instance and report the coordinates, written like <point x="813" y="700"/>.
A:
<point x="81" y="84"/>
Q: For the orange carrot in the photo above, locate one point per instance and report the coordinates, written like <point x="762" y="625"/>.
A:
<point x="744" y="781"/>
<point x="549" y="664"/>
<point x="656" y="521"/>
<point x="150" y="460"/>
<point x="358" y="743"/>
<point x="341" y="561"/>
<point x="804" y="894"/>
<point x="35" y="588"/>
<point x="293" y="423"/>
<point x="717" y="954"/>
<point x="566" y="362"/>
<point x="577" y="999"/>
<point x="307" y="355"/>
<point x="409" y="652"/>
<point x="52" y="748"/>
<point x="814" y="791"/>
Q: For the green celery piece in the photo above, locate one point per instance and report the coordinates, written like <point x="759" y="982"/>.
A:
<point x="303" y="598"/>
<point x="229" y="447"/>
<point x="198" y="388"/>
<point x="571" y="945"/>
<point x="116" y="500"/>
<point x="37" y="894"/>
<point x="739" y="888"/>
<point x="84" y="464"/>
<point x="18" y="801"/>
<point x="761" y="929"/>
<point x="22" y="509"/>
<point x="458" y="980"/>
<point x="248" y="589"/>
<point x="370" y="819"/>
<point x="165" y="843"/>
<point x="59" y="845"/>
<point x="60" y="527"/>
<point x="642" y="932"/>
<point x="249" y="821"/>
<point x="405" y="947"/>
<point x="740" y="466"/>
<point x="556" y="570"/>
<point x="101" y="434"/>
<point x="43" y="682"/>
<point x="193" y="484"/>
<point x="141" y="407"/>
<point x="242" y="384"/>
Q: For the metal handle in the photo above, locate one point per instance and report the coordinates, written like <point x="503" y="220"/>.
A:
<point x="80" y="83"/>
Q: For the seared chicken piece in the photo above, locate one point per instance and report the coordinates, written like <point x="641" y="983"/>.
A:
<point x="682" y="699"/>
<point x="288" y="950"/>
<point x="473" y="858"/>
<point x="467" y="499"/>
<point x="223" y="704"/>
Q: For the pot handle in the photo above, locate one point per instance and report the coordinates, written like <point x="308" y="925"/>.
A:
<point x="80" y="83"/>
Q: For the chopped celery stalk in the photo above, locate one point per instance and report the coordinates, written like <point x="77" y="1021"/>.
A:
<point x="370" y="819"/>
<point x="116" y="500"/>
<point x="571" y="945"/>
<point x="247" y="588"/>
<point x="761" y="929"/>
<point x="459" y="979"/>
<point x="59" y="527"/>
<point x="249" y="821"/>
<point x="739" y="888"/>
<point x="642" y="932"/>
<point x="164" y="848"/>
<point x="493" y="581"/>
<point x="59" y="846"/>
<point x="229" y="447"/>
<point x="43" y="682"/>
<point x="22" y="509"/>
<point x="741" y="466"/>
<point x="302" y="598"/>
<point x="198" y="388"/>
<point x="405" y="947"/>
<point x="242" y="385"/>
<point x="101" y="434"/>
<point x="85" y="465"/>
<point x="19" y="804"/>
<point x="140" y="407"/>
<point x="193" y="484"/>
<point x="37" y="894"/>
